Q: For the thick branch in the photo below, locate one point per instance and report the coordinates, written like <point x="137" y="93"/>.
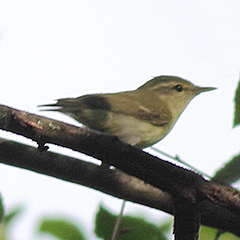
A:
<point x="109" y="181"/>
<point x="187" y="219"/>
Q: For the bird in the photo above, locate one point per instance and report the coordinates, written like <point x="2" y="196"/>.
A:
<point x="141" y="117"/>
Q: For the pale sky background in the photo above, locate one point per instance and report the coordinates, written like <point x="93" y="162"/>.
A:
<point x="54" y="49"/>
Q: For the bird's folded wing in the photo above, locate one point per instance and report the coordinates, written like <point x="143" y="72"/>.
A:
<point x="140" y="106"/>
<point x="148" y="108"/>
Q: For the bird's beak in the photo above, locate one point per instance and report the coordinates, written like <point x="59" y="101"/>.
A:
<point x="204" y="89"/>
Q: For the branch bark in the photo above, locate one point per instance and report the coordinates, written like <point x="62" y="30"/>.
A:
<point x="211" y="198"/>
<point x="106" y="180"/>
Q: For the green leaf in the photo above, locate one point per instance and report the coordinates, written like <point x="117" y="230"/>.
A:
<point x="13" y="214"/>
<point x="1" y="209"/>
<point x="207" y="233"/>
<point x="2" y="225"/>
<point x="237" y="106"/>
<point x="166" y="226"/>
<point x="228" y="236"/>
<point x="230" y="173"/>
<point x="130" y="227"/>
<point x="61" y="229"/>
<point x="6" y="221"/>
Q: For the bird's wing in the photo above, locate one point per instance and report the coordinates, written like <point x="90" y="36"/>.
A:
<point x="139" y="105"/>
<point x="73" y="105"/>
<point x="142" y="107"/>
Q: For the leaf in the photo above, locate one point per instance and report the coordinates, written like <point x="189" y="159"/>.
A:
<point x="13" y="214"/>
<point x="230" y="173"/>
<point x="228" y="236"/>
<point x="237" y="107"/>
<point x="6" y="221"/>
<point x="61" y="229"/>
<point x="166" y="226"/>
<point x="2" y="225"/>
<point x="1" y="209"/>
<point x="208" y="233"/>
<point x="130" y="227"/>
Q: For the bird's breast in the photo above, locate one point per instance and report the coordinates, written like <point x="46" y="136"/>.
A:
<point x="134" y="131"/>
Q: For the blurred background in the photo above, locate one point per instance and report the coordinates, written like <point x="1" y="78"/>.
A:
<point x="55" y="49"/>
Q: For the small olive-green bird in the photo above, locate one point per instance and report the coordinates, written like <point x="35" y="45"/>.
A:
<point x="141" y="117"/>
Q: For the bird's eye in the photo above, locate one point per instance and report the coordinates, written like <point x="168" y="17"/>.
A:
<point x="179" y="88"/>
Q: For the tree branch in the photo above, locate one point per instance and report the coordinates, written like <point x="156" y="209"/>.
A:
<point x="106" y="180"/>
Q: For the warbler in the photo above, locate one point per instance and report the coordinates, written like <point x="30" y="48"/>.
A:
<point x="141" y="117"/>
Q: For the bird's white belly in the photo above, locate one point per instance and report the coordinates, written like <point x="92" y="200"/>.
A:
<point x="134" y="131"/>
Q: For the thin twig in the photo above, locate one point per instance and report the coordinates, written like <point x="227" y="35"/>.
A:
<point x="177" y="158"/>
<point x="118" y="222"/>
